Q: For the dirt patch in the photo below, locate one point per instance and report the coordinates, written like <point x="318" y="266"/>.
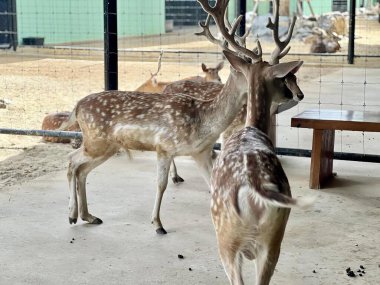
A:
<point x="33" y="162"/>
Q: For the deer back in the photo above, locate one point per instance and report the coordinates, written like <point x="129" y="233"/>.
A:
<point x="152" y="86"/>
<point x="202" y="90"/>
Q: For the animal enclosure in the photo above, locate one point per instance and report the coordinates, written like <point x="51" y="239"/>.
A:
<point x="38" y="80"/>
<point x="59" y="58"/>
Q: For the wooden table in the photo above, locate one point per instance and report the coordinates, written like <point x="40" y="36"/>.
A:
<point x="324" y="123"/>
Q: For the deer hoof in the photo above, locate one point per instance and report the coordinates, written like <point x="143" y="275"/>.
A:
<point x="73" y="220"/>
<point x="96" y="221"/>
<point x="177" y="179"/>
<point x="161" y="231"/>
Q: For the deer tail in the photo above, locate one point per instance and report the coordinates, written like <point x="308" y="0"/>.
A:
<point x="268" y="194"/>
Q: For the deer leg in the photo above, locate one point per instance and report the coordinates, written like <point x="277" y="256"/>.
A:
<point x="174" y="174"/>
<point x="204" y="162"/>
<point x="266" y="260"/>
<point x="75" y="160"/>
<point x="84" y="168"/>
<point x="232" y="263"/>
<point x="73" y="203"/>
<point x="163" y="167"/>
<point x="267" y="254"/>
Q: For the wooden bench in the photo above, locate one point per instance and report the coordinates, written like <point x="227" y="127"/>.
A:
<point x="324" y="123"/>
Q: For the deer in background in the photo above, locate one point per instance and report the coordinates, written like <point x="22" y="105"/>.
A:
<point x="323" y="42"/>
<point x="152" y="85"/>
<point x="251" y="196"/>
<point x="53" y="121"/>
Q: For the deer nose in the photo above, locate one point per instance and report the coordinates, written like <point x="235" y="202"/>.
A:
<point x="300" y="96"/>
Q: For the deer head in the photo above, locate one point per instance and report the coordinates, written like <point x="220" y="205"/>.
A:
<point x="212" y="74"/>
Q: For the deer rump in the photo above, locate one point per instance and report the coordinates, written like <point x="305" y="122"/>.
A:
<point x="262" y="177"/>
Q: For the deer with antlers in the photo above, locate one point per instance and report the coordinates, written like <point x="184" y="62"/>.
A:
<point x="251" y="197"/>
<point x="209" y="90"/>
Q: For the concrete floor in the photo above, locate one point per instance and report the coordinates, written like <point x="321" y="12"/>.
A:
<point x="38" y="246"/>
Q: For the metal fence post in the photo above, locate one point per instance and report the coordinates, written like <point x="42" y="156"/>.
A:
<point x="351" y="35"/>
<point x="110" y="45"/>
<point x="242" y="9"/>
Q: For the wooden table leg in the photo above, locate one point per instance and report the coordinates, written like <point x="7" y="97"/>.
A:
<point x="322" y="156"/>
<point x="272" y="130"/>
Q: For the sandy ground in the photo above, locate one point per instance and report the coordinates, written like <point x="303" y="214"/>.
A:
<point x="38" y="246"/>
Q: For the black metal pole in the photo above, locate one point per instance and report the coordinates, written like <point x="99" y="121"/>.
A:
<point x="242" y="9"/>
<point x="351" y="33"/>
<point x="110" y="45"/>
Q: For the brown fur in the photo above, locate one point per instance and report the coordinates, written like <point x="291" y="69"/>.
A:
<point x="54" y="121"/>
<point x="154" y="86"/>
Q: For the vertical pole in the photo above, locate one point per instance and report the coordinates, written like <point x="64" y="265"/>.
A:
<point x="110" y="45"/>
<point x="351" y="35"/>
<point x="242" y="9"/>
<point x="14" y="25"/>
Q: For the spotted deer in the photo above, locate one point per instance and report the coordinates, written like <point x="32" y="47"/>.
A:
<point x="251" y="197"/>
<point x="53" y="121"/>
<point x="169" y="124"/>
<point x="152" y="85"/>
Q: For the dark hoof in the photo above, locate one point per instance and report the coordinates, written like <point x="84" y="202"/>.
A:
<point x="161" y="231"/>
<point x="97" y="221"/>
<point x="177" y="179"/>
<point x="73" y="220"/>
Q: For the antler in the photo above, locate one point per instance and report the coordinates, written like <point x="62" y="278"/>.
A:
<point x="241" y="39"/>
<point x="159" y="65"/>
<point x="280" y="50"/>
<point x="218" y="12"/>
<point x="207" y="33"/>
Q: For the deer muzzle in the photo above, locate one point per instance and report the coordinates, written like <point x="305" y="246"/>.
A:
<point x="298" y="97"/>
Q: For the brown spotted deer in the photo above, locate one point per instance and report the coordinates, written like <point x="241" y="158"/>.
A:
<point x="170" y="124"/>
<point x="251" y="197"/>
<point x="152" y="85"/>
<point x="53" y="121"/>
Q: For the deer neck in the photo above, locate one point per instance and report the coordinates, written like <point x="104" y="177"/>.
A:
<point x="227" y="104"/>
<point x="258" y="105"/>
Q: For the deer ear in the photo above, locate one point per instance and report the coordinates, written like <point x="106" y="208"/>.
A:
<point x="204" y="68"/>
<point x="220" y="66"/>
<point x="282" y="69"/>
<point x="237" y="63"/>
